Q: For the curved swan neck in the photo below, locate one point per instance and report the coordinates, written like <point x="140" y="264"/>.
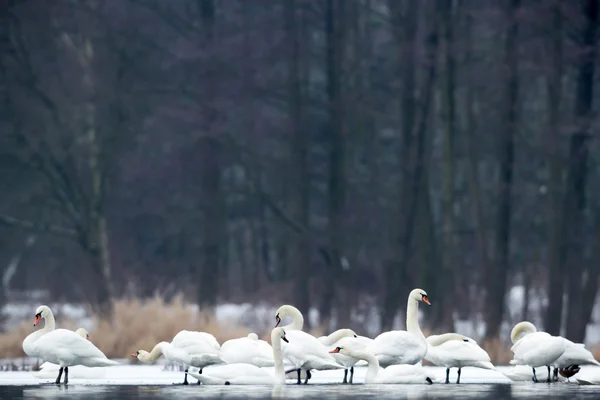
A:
<point x="277" y="358"/>
<point x="525" y="327"/>
<point x="156" y="352"/>
<point x="437" y="340"/>
<point x="337" y="335"/>
<point x="297" y="318"/>
<point x="50" y="323"/>
<point x="412" y="318"/>
<point x="373" y="364"/>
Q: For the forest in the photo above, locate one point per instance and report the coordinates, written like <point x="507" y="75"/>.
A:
<point x="323" y="153"/>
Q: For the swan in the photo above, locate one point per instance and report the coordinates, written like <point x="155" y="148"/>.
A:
<point x="574" y="354"/>
<point x="67" y="348"/>
<point x="403" y="347"/>
<point x="303" y="351"/>
<point x="190" y="348"/>
<point x="339" y="338"/>
<point x="589" y="376"/>
<point x="248" y="350"/>
<point x="49" y="370"/>
<point x="452" y="350"/>
<point x="394" y="374"/>
<point x="535" y="349"/>
<point x="246" y="374"/>
<point x="45" y="313"/>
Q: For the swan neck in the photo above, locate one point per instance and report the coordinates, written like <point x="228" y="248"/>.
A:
<point x="524" y="327"/>
<point x="50" y="323"/>
<point x="277" y="358"/>
<point x="373" y="365"/>
<point x="156" y="352"/>
<point x="441" y="339"/>
<point x="412" y="318"/>
<point x="337" y="335"/>
<point x="297" y="321"/>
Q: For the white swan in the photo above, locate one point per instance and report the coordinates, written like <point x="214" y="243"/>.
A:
<point x="49" y="370"/>
<point x="189" y="348"/>
<point x="66" y="348"/>
<point x="340" y="338"/>
<point x="535" y="349"/>
<point x="403" y="347"/>
<point x="394" y="374"/>
<point x="303" y="351"/>
<point x="248" y="350"/>
<point x="575" y="354"/>
<point x="246" y="374"/>
<point x="42" y="312"/>
<point x="452" y="350"/>
<point x="589" y="376"/>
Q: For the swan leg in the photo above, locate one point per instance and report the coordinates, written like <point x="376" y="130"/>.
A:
<point x="299" y="371"/>
<point x="351" y="374"/>
<point x="308" y="376"/>
<point x="345" y="376"/>
<point x="200" y="372"/>
<point x="458" y="379"/>
<point x="447" y="375"/>
<point x="60" y="371"/>
<point x="185" y="381"/>
<point x="555" y="378"/>
<point x="549" y="374"/>
<point x="535" y="379"/>
<point x="66" y="375"/>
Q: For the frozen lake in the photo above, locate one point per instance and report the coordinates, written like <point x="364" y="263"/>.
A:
<point x="153" y="382"/>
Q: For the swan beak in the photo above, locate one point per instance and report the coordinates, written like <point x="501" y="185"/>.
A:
<point x="87" y="337"/>
<point x="133" y="355"/>
<point x="336" y="350"/>
<point x="37" y="320"/>
<point x="285" y="339"/>
<point x="426" y="300"/>
<point x="277" y="321"/>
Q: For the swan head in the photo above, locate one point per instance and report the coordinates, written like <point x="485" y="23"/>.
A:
<point x="419" y="295"/>
<point x="278" y="333"/>
<point x="285" y="311"/>
<point x="523" y="327"/>
<point x="83" y="333"/>
<point x="41" y="312"/>
<point x="141" y="355"/>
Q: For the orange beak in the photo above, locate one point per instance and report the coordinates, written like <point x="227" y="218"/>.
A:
<point x="37" y="320"/>
<point x="133" y="355"/>
<point x="336" y="350"/>
<point x="426" y="300"/>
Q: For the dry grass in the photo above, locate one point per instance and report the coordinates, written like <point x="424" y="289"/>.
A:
<point x="596" y="351"/>
<point x="136" y="325"/>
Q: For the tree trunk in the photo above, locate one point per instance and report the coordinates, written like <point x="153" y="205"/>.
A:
<point x="556" y="243"/>
<point x="300" y="257"/>
<point x="445" y="281"/>
<point x="496" y="287"/>
<point x="395" y="273"/>
<point x="575" y="202"/>
<point x="210" y="176"/>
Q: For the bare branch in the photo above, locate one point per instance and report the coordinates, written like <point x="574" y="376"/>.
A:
<point x="40" y="227"/>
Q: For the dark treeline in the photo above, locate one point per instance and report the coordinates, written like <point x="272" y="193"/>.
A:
<point x="320" y="152"/>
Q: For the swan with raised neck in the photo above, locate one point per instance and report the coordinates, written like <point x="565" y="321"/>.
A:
<point x="42" y="312"/>
<point x="289" y="311"/>
<point x="523" y="327"/>
<point x="412" y="311"/>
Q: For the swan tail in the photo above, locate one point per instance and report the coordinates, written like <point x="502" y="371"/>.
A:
<point x="486" y="365"/>
<point x="101" y="362"/>
<point x="513" y="362"/>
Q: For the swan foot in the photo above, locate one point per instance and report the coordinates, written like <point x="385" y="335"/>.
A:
<point x="66" y="375"/>
<point x="555" y="373"/>
<point x="345" y="376"/>
<point x="458" y="379"/>
<point x="185" y="381"/>
<point x="199" y="372"/>
<point x="227" y="383"/>
<point x="428" y="380"/>
<point x="308" y="376"/>
<point x="351" y="374"/>
<point x="447" y="375"/>
<point x="549" y="375"/>
<point x="299" y="382"/>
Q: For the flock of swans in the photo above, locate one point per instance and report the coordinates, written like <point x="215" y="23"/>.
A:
<point x="393" y="357"/>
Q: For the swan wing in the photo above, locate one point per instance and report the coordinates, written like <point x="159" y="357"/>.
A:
<point x="193" y="336"/>
<point x="575" y="353"/>
<point x="305" y="351"/>
<point x="244" y="350"/>
<point x="403" y="374"/>
<point x="398" y="347"/>
<point x="234" y="374"/>
<point x="63" y="346"/>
